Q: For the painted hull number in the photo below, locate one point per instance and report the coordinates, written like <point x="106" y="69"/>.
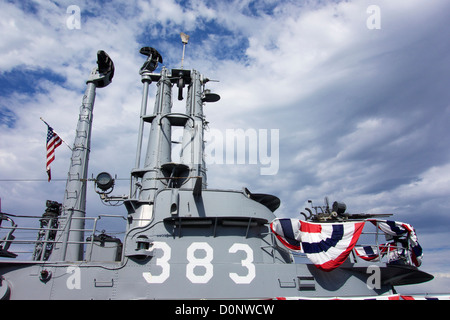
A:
<point x="200" y="256"/>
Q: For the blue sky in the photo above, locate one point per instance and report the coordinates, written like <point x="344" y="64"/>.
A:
<point x="362" y="113"/>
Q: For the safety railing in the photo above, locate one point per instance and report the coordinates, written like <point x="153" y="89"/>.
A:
<point x="34" y="238"/>
<point x="390" y="250"/>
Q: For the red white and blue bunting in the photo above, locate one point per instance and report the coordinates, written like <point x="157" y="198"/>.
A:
<point x="327" y="245"/>
<point x="372" y="253"/>
<point x="288" y="232"/>
<point x="426" y="297"/>
<point x="368" y="253"/>
<point x="400" y="229"/>
<point x="380" y="297"/>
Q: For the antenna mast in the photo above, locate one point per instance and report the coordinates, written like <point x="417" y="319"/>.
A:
<point x="74" y="204"/>
<point x="184" y="39"/>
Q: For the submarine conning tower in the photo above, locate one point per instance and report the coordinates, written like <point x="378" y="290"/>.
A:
<point x="184" y="240"/>
<point x="158" y="172"/>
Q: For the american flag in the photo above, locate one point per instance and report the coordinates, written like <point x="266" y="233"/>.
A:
<point x="53" y="142"/>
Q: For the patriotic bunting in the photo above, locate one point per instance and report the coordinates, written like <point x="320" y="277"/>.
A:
<point x="380" y="297"/>
<point x="368" y="253"/>
<point x="427" y="297"/>
<point x="288" y="232"/>
<point x="371" y="253"/>
<point x="327" y="245"/>
<point x="400" y="229"/>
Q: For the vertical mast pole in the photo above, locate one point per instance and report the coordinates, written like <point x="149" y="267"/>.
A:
<point x="159" y="141"/>
<point x="192" y="153"/>
<point x="153" y="58"/>
<point x="146" y="81"/>
<point x="74" y="204"/>
<point x="184" y="39"/>
<point x="141" y="124"/>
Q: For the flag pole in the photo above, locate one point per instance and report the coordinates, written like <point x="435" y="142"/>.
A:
<point x="56" y="133"/>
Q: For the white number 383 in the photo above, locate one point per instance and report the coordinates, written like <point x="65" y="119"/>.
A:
<point x="204" y="263"/>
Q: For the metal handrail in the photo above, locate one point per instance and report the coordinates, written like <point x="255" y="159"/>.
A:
<point x="405" y="252"/>
<point x="21" y="238"/>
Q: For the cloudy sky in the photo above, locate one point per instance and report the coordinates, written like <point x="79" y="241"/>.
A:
<point x="358" y="90"/>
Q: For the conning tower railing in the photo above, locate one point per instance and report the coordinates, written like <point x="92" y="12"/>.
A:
<point x="21" y="242"/>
